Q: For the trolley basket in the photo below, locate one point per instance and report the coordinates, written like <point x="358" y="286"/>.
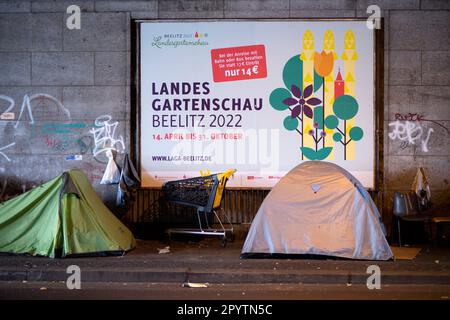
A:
<point x="205" y="194"/>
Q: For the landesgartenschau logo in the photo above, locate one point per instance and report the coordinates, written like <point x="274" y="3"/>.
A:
<point x="175" y="40"/>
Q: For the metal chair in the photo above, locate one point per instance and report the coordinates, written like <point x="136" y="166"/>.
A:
<point x="406" y="208"/>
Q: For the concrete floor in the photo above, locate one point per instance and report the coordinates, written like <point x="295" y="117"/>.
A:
<point x="173" y="291"/>
<point x="145" y="274"/>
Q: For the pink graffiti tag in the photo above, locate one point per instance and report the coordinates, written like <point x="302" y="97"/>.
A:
<point x="415" y="117"/>
<point x="409" y="117"/>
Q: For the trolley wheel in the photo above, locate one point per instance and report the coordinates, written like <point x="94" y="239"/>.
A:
<point x="223" y="242"/>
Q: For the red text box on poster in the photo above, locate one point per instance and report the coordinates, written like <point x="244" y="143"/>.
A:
<point x="239" y="63"/>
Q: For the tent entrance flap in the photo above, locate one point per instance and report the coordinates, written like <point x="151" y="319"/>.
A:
<point x="68" y="186"/>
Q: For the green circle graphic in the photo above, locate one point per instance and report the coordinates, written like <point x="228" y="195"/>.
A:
<point x="345" y="107"/>
<point x="276" y="98"/>
<point x="337" y="137"/>
<point x="331" y="122"/>
<point x="290" y="123"/>
<point x="356" y="133"/>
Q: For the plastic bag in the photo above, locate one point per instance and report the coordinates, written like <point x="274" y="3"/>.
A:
<point x="422" y="188"/>
<point x="112" y="172"/>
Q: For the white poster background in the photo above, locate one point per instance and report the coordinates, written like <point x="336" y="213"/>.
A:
<point x="268" y="150"/>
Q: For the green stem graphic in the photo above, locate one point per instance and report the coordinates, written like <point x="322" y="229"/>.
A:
<point x="345" y="139"/>
<point x="302" y="130"/>
<point x="315" y="139"/>
<point x="323" y="110"/>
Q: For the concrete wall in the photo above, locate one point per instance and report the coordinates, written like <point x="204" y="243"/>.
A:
<point x="88" y="71"/>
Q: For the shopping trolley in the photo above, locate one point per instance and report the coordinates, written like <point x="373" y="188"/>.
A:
<point x="204" y="193"/>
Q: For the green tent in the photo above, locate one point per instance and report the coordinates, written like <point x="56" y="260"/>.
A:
<point x="61" y="217"/>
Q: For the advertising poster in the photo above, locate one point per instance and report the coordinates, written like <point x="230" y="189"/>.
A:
<point x="260" y="97"/>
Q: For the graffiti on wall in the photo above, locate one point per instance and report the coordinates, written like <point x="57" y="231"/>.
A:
<point x="26" y="110"/>
<point x="41" y="122"/>
<point x="105" y="138"/>
<point x="19" y="129"/>
<point x="410" y="133"/>
<point x="27" y="106"/>
<point x="409" y="129"/>
<point x="64" y="137"/>
<point x="5" y="147"/>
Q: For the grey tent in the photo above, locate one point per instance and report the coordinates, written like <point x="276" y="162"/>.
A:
<point x="318" y="208"/>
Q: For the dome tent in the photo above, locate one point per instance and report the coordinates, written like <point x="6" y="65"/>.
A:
<point x="63" y="216"/>
<point x="321" y="209"/>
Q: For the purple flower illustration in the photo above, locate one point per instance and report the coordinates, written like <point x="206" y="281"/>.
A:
<point x="302" y="101"/>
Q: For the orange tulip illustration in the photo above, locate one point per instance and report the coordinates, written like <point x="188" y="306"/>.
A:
<point x="323" y="63"/>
